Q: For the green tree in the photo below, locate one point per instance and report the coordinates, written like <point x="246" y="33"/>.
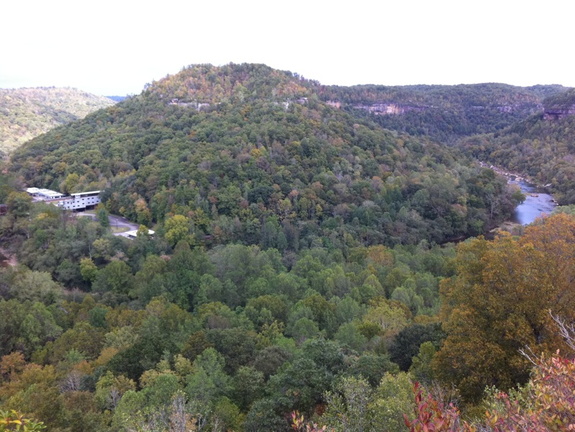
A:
<point x="392" y="399"/>
<point x="177" y="228"/>
<point x="88" y="269"/>
<point x="407" y="342"/>
<point x="70" y="182"/>
<point x="421" y="368"/>
<point x="19" y="204"/>
<point x="348" y="407"/>
<point x="207" y="383"/>
<point x="35" y="286"/>
<point x="25" y="326"/>
<point x="116" y="278"/>
<point x="247" y="386"/>
<point x="103" y="216"/>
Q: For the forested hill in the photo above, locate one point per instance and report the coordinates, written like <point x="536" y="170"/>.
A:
<point x="542" y="146"/>
<point x="247" y="153"/>
<point x="28" y="112"/>
<point x="440" y="111"/>
<point x="292" y="274"/>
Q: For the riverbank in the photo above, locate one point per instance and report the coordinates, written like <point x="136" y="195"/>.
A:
<point x="537" y="202"/>
<point x="516" y="177"/>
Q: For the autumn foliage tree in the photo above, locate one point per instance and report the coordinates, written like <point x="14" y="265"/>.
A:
<point x="547" y="403"/>
<point x="544" y="404"/>
<point x="499" y="302"/>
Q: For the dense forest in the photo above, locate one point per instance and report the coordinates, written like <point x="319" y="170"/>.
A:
<point x="302" y="274"/>
<point x="445" y="113"/>
<point x="28" y="112"/>
<point x="245" y="153"/>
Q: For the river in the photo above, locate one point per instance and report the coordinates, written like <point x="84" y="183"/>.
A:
<point x="536" y="204"/>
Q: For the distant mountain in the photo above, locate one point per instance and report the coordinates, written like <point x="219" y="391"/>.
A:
<point x="445" y="113"/>
<point x="541" y="147"/>
<point x="117" y="98"/>
<point x="252" y="154"/>
<point x="28" y="112"/>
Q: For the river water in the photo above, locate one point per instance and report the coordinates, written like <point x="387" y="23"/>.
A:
<point x="536" y="204"/>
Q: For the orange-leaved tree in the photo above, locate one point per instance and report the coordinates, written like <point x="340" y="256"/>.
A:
<point x="499" y="301"/>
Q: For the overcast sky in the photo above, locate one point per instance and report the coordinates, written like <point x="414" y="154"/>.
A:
<point x="115" y="47"/>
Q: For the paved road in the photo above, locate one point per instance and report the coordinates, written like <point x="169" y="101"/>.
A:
<point x="118" y="223"/>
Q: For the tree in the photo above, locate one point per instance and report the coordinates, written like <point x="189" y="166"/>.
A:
<point x="103" y="216"/>
<point x="110" y="389"/>
<point x="420" y="368"/>
<point x="207" y="383"/>
<point x="372" y="367"/>
<point x="389" y="317"/>
<point x="270" y="359"/>
<point x="299" y="385"/>
<point x="88" y="269"/>
<point x="393" y="398"/>
<point x="35" y="286"/>
<point x="25" y="327"/>
<point x="406" y="343"/>
<point x="116" y="277"/>
<point x="355" y="406"/>
<point x="349" y="335"/>
<point x="546" y="403"/>
<point x="34" y="391"/>
<point x="149" y="281"/>
<point x="14" y="421"/>
<point x="348" y="407"/>
<point x="177" y="228"/>
<point x="236" y="345"/>
<point x="19" y="204"/>
<point x="498" y="302"/>
<point x="69" y="184"/>
<point x="247" y="386"/>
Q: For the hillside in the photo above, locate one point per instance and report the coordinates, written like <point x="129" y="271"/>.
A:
<point x="28" y="112"/>
<point x="250" y="153"/>
<point x="541" y="147"/>
<point x="445" y="113"/>
<point x="295" y="272"/>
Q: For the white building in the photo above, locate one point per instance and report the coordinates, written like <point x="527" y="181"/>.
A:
<point x="44" y="194"/>
<point x="81" y="200"/>
<point x="76" y="201"/>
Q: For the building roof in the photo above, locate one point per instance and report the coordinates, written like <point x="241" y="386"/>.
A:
<point x="134" y="233"/>
<point x="85" y="193"/>
<point x="44" y="192"/>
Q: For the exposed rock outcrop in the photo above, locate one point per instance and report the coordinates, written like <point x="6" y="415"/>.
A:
<point x="556" y="113"/>
<point x="559" y="106"/>
<point x="390" y="108"/>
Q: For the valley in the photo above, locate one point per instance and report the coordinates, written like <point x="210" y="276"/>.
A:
<point x="302" y="257"/>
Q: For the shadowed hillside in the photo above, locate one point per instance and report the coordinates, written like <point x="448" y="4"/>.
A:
<point x="443" y="112"/>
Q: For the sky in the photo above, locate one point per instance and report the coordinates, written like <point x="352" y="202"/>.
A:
<point x="116" y="47"/>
